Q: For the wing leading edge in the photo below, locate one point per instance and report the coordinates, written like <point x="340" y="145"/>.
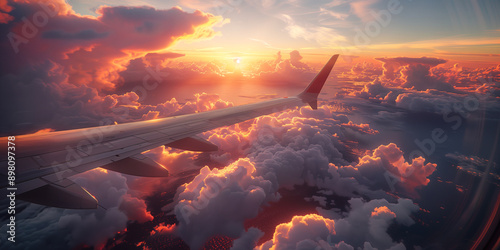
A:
<point x="45" y="161"/>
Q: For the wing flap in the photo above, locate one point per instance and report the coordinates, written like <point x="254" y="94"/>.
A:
<point x="139" y="165"/>
<point x="63" y="194"/>
<point x="193" y="143"/>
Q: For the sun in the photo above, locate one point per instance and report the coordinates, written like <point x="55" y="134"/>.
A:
<point x="237" y="60"/>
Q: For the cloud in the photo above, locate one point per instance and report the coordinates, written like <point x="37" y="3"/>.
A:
<point x="323" y="36"/>
<point x="61" y="86"/>
<point x="418" y="77"/>
<point x="414" y="73"/>
<point x="291" y="71"/>
<point x="361" y="8"/>
<point x="285" y="150"/>
<point x="430" y="61"/>
<point x="364" y="225"/>
<point x="474" y="165"/>
<point x="203" y="209"/>
<point x="382" y="211"/>
<point x="135" y="209"/>
<point x="365" y="71"/>
<point x="388" y="159"/>
<point x="91" y="51"/>
<point x="381" y="169"/>
<point x="361" y="128"/>
<point x="163" y="229"/>
<point x="291" y="148"/>
<point x="303" y="232"/>
<point x="248" y="240"/>
<point x="361" y="225"/>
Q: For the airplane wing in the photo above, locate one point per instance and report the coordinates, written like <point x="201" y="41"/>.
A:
<point x="43" y="162"/>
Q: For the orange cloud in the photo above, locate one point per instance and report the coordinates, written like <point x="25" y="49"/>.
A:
<point x="308" y="227"/>
<point x="135" y="209"/>
<point x="362" y="128"/>
<point x="91" y="50"/>
<point x="383" y="210"/>
<point x="163" y="229"/>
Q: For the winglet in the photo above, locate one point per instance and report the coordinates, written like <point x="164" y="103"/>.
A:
<point x="310" y="94"/>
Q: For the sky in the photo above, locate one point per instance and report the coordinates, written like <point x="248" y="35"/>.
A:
<point x="460" y="30"/>
<point x="400" y="154"/>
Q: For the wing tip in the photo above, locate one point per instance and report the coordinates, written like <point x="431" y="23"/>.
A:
<point x="317" y="83"/>
<point x="312" y="91"/>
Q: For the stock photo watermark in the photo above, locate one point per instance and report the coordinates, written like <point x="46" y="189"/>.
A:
<point x="31" y="26"/>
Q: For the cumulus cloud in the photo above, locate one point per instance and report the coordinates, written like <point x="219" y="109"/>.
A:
<point x="365" y="72"/>
<point x="290" y="71"/>
<point x="92" y="50"/>
<point x="388" y="159"/>
<point x="284" y="150"/>
<point x="203" y="209"/>
<point x="135" y="209"/>
<point x="414" y="73"/>
<point x="367" y="222"/>
<point x="291" y="148"/>
<point x="303" y="232"/>
<point x="364" y="226"/>
<point x="381" y="169"/>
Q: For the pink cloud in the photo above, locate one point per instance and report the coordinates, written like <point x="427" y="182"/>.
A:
<point x="361" y="8"/>
<point x="91" y="50"/>
<point x="390" y="158"/>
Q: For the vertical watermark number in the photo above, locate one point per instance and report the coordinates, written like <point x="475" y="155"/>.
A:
<point x="11" y="189"/>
